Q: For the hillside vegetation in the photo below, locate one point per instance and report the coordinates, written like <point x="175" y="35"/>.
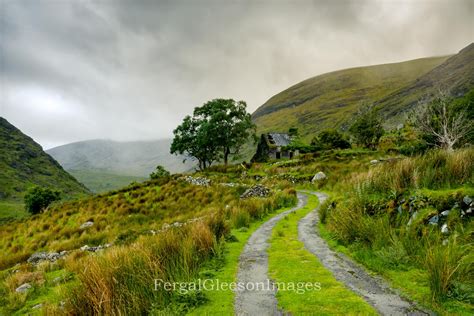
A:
<point x="333" y="99"/>
<point x="23" y="164"/>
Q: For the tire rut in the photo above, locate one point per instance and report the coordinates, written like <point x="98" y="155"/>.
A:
<point x="253" y="269"/>
<point x="373" y="289"/>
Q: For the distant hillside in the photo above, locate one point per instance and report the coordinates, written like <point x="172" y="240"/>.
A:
<point x="23" y="163"/>
<point x="332" y="99"/>
<point x="137" y="159"/>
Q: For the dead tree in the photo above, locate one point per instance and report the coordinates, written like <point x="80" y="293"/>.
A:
<point x="439" y="120"/>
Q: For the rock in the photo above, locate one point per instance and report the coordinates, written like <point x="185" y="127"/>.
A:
<point x="256" y="191"/>
<point x="434" y="220"/>
<point x="445" y="213"/>
<point x="412" y="218"/>
<point x="374" y="162"/>
<point x="230" y="185"/>
<point x="37" y="306"/>
<point x="198" y="181"/>
<point x="319" y="176"/>
<point x="86" y="225"/>
<point x="444" y="229"/>
<point x="95" y="248"/>
<point x="467" y="200"/>
<point x="23" y="288"/>
<point x="45" y="256"/>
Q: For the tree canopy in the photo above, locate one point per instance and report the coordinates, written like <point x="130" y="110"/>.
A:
<point x="38" y="198"/>
<point x="216" y="130"/>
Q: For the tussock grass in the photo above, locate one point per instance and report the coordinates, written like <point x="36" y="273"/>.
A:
<point x="370" y="219"/>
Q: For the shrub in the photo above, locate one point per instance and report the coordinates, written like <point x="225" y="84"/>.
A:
<point x="159" y="173"/>
<point x="38" y="198"/>
<point x="330" y="139"/>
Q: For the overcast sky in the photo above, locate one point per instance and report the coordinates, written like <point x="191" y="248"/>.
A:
<point x="130" y="70"/>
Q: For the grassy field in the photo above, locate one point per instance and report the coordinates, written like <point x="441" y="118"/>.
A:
<point x="12" y="210"/>
<point x="99" y="181"/>
<point x="290" y="262"/>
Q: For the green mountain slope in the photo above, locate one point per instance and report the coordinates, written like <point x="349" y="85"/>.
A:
<point x="23" y="163"/>
<point x="136" y="159"/>
<point x="102" y="181"/>
<point x="332" y="99"/>
<point x="455" y="75"/>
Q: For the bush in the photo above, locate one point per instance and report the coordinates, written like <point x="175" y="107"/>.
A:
<point x="159" y="173"/>
<point x="38" y="198"/>
<point x="331" y="139"/>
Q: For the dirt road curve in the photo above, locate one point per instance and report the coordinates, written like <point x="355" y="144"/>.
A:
<point x="373" y="289"/>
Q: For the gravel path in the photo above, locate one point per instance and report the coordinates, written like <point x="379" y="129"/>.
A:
<point x="373" y="289"/>
<point x="253" y="270"/>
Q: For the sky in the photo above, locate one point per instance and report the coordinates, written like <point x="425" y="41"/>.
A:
<point x="125" y="70"/>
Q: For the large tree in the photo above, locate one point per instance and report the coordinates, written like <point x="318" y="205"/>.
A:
<point x="216" y="130"/>
<point x="230" y="123"/>
<point x="192" y="138"/>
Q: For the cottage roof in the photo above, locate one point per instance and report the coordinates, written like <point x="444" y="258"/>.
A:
<point x="279" y="139"/>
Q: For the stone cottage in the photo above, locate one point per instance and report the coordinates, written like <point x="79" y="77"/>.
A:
<point x="274" y="146"/>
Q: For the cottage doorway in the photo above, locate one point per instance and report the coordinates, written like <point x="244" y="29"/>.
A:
<point x="278" y="155"/>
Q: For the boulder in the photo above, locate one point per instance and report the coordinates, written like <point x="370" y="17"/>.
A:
<point x="256" y="191"/>
<point x="87" y="225"/>
<point x="319" y="176"/>
<point x="374" y="162"/>
<point x="95" y="248"/>
<point x="445" y="213"/>
<point x="23" y="288"/>
<point x="434" y="220"/>
<point x="37" y="306"/>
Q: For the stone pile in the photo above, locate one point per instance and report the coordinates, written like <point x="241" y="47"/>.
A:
<point x="198" y="181"/>
<point x="319" y="176"/>
<point x="256" y="191"/>
<point x="45" y="256"/>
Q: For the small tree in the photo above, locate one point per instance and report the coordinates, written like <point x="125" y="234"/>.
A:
<point x="329" y="139"/>
<point x="159" y="173"/>
<point x="367" y="129"/>
<point x="443" y="124"/>
<point x="38" y="198"/>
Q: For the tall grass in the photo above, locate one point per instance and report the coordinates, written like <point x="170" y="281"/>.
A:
<point x="368" y="215"/>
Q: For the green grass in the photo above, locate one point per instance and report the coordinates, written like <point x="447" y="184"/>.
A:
<point x="100" y="181"/>
<point x="330" y="99"/>
<point x="222" y="302"/>
<point x="23" y="164"/>
<point x="11" y="210"/>
<point x="412" y="281"/>
<point x="289" y="262"/>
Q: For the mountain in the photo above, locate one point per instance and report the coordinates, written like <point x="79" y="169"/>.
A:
<point x="334" y="98"/>
<point x="23" y="163"/>
<point x="137" y="158"/>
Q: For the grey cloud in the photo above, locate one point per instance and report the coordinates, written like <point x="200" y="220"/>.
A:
<point x="132" y="69"/>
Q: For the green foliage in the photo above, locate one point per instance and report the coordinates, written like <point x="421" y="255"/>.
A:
<point x="217" y="129"/>
<point x="23" y="163"/>
<point x="38" y="198"/>
<point x="160" y="172"/>
<point x="330" y="139"/>
<point x="367" y="128"/>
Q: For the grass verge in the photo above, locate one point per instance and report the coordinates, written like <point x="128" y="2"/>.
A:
<point x="290" y="262"/>
<point x="225" y="269"/>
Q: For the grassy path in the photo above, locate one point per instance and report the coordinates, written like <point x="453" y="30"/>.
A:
<point x="291" y="263"/>
<point x="222" y="302"/>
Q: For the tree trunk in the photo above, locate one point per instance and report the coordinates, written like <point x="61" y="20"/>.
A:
<point x="226" y="155"/>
